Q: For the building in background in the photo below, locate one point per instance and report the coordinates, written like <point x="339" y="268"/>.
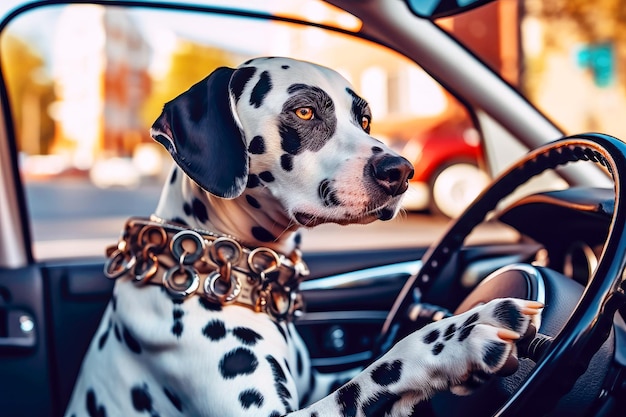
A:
<point x="100" y="68"/>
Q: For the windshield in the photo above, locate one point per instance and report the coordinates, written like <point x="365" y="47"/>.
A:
<point x="85" y="83"/>
<point x="566" y="57"/>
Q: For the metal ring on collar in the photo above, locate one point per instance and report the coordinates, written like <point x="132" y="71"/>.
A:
<point x="180" y="253"/>
<point x="146" y="267"/>
<point x="260" y="269"/>
<point x="272" y="309"/>
<point x="117" y="265"/>
<point x="224" y="250"/>
<point x="182" y="290"/>
<point x="145" y="237"/>
<point x="212" y="291"/>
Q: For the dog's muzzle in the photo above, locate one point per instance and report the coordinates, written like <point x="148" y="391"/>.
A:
<point x="190" y="262"/>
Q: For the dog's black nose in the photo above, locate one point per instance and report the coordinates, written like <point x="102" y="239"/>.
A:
<point x="392" y="173"/>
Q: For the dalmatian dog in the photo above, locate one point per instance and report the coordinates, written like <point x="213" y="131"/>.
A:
<point x="261" y="151"/>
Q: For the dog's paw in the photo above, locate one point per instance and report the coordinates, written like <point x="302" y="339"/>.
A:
<point x="465" y="350"/>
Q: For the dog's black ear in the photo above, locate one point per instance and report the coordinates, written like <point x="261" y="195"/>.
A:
<point x="199" y="131"/>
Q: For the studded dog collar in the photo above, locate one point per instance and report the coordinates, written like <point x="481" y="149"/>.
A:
<point x="191" y="262"/>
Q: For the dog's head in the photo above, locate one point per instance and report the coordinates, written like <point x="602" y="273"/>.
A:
<point x="291" y="128"/>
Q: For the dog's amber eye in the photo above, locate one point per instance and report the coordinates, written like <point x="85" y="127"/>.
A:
<point x="305" y="113"/>
<point x="365" y="123"/>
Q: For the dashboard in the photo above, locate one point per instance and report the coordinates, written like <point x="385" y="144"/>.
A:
<point x="571" y="226"/>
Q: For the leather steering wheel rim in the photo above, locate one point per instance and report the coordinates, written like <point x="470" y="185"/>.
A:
<point x="590" y="323"/>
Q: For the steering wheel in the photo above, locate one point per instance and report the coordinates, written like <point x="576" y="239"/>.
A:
<point x="578" y="334"/>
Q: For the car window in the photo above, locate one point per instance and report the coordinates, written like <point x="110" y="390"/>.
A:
<point x="85" y="83"/>
<point x="566" y="57"/>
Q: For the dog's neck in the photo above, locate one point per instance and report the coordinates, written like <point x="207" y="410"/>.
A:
<point x="236" y="217"/>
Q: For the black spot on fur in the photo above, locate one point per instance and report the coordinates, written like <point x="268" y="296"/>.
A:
<point x="214" y="330"/>
<point x="376" y="149"/>
<point x="280" y="380"/>
<point x="262" y="234"/>
<point x="173" y="177"/>
<point x="130" y="341"/>
<point x="250" y="397"/>
<point x="142" y="400"/>
<point x="431" y="336"/>
<point x="239" y="361"/>
<point x="275" y="414"/>
<point x="380" y="404"/>
<point x="266" y="176"/>
<point x="327" y="194"/>
<point x="299" y="362"/>
<point x="260" y="90"/>
<point x="247" y="336"/>
<point x="93" y="409"/>
<point x="348" y="399"/>
<point x="493" y="353"/>
<point x="298" y="135"/>
<point x="239" y="80"/>
<point x="506" y="312"/>
<point x="298" y="239"/>
<point x="174" y="399"/>
<point x="438" y="348"/>
<point x="253" y="201"/>
<point x="187" y="209"/>
<point x="471" y="319"/>
<point x="199" y="210"/>
<point x="179" y="221"/>
<point x="116" y="332"/>
<point x="279" y="374"/>
<point x="290" y="140"/>
<point x="209" y="305"/>
<point x="281" y="330"/>
<point x="177" y="328"/>
<point x="284" y="66"/>
<point x="114" y="302"/>
<point x="286" y="162"/>
<point x="360" y="109"/>
<point x="449" y="333"/>
<point x="387" y="373"/>
<point x="465" y="332"/>
<point x="253" y="181"/>
<point x="257" y="145"/>
<point x="103" y="338"/>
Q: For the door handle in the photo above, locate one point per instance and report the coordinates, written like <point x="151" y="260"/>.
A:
<point x="17" y="329"/>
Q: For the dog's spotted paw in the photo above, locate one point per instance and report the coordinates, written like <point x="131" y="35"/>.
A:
<point x="464" y="350"/>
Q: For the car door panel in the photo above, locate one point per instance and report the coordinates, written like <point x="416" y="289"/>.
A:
<point x="77" y="296"/>
<point x="24" y="347"/>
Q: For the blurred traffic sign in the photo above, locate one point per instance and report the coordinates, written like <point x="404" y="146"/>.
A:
<point x="600" y="59"/>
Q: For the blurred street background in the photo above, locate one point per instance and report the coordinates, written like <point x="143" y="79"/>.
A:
<point x="86" y="82"/>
